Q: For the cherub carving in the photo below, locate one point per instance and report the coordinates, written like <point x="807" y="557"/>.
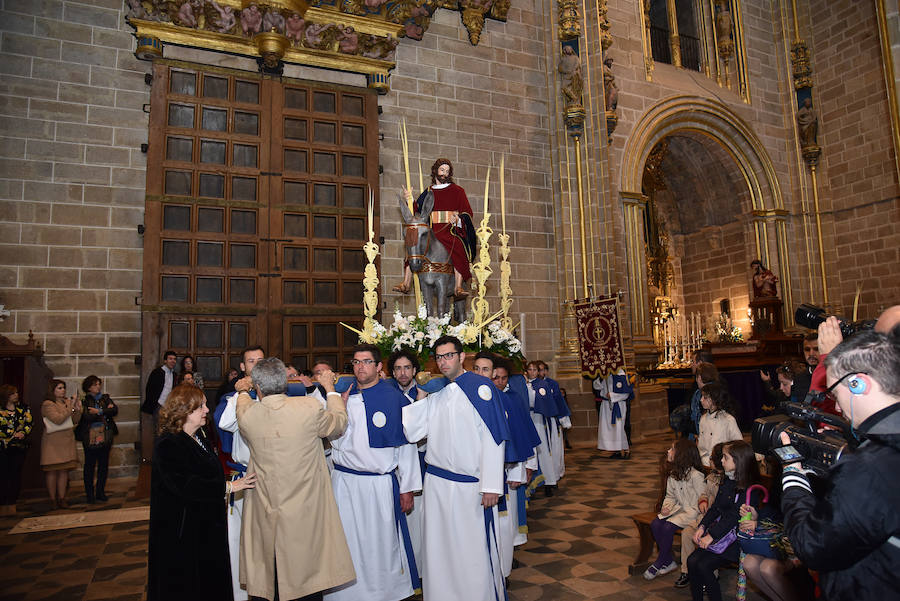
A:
<point x="349" y="41"/>
<point x="251" y="20"/>
<point x="186" y="13"/>
<point x="294" y="26"/>
<point x="226" y="20"/>
<point x="273" y="21"/>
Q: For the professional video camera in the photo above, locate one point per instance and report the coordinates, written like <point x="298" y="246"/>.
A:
<point x="817" y="451"/>
<point x="811" y="316"/>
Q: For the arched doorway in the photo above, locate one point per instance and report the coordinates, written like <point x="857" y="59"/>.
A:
<point x="701" y="200"/>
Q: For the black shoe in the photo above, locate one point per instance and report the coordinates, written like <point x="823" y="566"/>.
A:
<point x="548" y="490"/>
<point x="683" y="581"/>
<point x="101" y="496"/>
<point x="91" y="501"/>
<point x="616" y="455"/>
<point x="516" y="563"/>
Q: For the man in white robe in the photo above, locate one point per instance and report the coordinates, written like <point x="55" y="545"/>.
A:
<point x="613" y="392"/>
<point x="543" y="414"/>
<point x="563" y="417"/>
<point x="375" y="473"/>
<point x="404" y="365"/>
<point x="466" y="430"/>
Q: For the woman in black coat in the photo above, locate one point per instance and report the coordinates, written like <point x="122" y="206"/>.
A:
<point x="96" y="431"/>
<point x="188" y="552"/>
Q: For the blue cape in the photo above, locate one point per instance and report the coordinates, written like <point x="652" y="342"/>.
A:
<point x="384" y="418"/>
<point x="544" y="403"/>
<point x="562" y="408"/>
<point x="413" y="392"/>
<point x="490" y="409"/>
<point x="523" y="435"/>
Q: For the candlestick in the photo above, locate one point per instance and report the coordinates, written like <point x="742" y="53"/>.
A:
<point x="502" y="195"/>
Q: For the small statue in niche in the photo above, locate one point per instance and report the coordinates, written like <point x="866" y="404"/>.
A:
<point x="294" y="26"/>
<point x="273" y="21"/>
<point x="723" y="23"/>
<point x="572" y="82"/>
<point x="251" y="20"/>
<point x="226" y="20"/>
<point x="610" y="89"/>
<point x="763" y="280"/>
<point x="808" y="123"/>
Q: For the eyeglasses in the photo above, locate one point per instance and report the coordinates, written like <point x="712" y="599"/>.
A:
<point x="367" y="362"/>
<point x="829" y="392"/>
<point x="446" y="356"/>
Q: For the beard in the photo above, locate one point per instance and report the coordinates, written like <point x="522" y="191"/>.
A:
<point x="442" y="179"/>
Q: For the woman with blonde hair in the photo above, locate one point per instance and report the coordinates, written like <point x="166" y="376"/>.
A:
<point x="188" y="552"/>
<point x="60" y="414"/>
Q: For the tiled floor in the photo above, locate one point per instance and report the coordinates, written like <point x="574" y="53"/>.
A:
<point x="581" y="542"/>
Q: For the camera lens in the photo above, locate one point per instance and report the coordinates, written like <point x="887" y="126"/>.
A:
<point x="809" y="316"/>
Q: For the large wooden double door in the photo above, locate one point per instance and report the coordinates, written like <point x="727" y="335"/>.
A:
<point x="255" y="216"/>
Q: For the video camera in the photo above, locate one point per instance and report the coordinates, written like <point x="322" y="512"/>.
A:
<point x="817" y="451"/>
<point x="811" y="316"/>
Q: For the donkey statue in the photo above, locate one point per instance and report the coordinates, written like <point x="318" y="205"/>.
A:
<point x="430" y="261"/>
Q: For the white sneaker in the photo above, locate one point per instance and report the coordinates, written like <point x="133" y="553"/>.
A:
<point x="666" y="569"/>
<point x="651" y="572"/>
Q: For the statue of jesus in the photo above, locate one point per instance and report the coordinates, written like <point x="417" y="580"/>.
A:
<point x="451" y="224"/>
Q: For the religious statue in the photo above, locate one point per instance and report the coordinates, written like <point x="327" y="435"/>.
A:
<point x="451" y="225"/>
<point x="186" y="15"/>
<point x="763" y="281"/>
<point x="808" y="122"/>
<point x="723" y="23"/>
<point x="572" y="81"/>
<point x="610" y="89"/>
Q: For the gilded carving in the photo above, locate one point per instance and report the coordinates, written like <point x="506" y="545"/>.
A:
<point x="724" y="26"/>
<point x="603" y="22"/>
<point x="800" y="65"/>
<point x="569" y="20"/>
<point x="473" y="12"/>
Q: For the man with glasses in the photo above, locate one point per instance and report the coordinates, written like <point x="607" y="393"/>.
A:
<point x="467" y="433"/>
<point x="851" y="533"/>
<point x="375" y="473"/>
<point x="404" y="366"/>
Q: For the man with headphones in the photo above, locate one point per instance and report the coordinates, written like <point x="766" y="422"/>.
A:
<point x="850" y="533"/>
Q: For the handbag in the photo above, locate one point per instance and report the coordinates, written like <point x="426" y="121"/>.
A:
<point x="51" y="427"/>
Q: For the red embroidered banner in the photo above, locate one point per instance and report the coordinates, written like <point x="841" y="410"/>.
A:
<point x="599" y="337"/>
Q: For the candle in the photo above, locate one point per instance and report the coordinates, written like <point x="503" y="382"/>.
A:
<point x="487" y="183"/>
<point x="502" y="194"/>
<point x="371" y="214"/>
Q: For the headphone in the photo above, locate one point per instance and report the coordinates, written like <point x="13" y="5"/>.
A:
<point x="857" y="385"/>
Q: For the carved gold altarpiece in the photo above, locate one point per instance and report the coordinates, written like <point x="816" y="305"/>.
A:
<point x="358" y="36"/>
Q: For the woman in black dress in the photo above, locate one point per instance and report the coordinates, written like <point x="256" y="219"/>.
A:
<point x="188" y="553"/>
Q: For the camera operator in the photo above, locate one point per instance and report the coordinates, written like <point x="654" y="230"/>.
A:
<point x="851" y="534"/>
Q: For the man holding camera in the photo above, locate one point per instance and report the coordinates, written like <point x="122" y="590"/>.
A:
<point x="851" y="534"/>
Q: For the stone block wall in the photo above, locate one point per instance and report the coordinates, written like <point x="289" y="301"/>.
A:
<point x="861" y="193"/>
<point x="72" y="189"/>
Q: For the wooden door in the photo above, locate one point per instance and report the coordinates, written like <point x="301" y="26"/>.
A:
<point x="255" y="216"/>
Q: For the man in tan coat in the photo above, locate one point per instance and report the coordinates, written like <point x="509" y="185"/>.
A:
<point x="291" y="528"/>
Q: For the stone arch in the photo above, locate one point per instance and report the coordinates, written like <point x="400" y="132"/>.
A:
<point x="715" y="120"/>
<point x="721" y="128"/>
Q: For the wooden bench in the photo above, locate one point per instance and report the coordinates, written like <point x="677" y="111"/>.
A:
<point x="647" y="543"/>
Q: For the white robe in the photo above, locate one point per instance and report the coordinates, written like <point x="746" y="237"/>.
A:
<point x="611" y="437"/>
<point x="366" y="506"/>
<point x="549" y="450"/>
<point x="459" y="562"/>
<point x="414" y="517"/>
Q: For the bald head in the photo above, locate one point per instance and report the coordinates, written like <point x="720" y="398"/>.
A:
<point x="888" y="320"/>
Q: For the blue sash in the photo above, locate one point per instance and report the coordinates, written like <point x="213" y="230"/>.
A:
<point x="522" y="505"/>
<point x="383" y="404"/>
<point x="239" y="471"/>
<point x="616" y="413"/>
<point x="448" y="475"/>
<point x="501" y="502"/>
<point x="490" y="410"/>
<point x="226" y="439"/>
<point x="399" y="520"/>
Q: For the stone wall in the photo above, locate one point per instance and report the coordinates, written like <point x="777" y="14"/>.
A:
<point x="73" y="188"/>
<point x="859" y="187"/>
